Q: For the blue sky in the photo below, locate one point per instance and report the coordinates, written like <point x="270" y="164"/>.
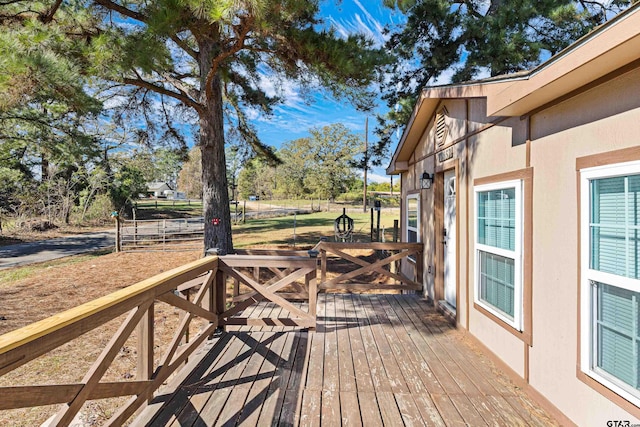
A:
<point x="293" y="118"/>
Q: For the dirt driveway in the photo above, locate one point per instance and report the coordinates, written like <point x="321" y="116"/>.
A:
<point x="46" y="250"/>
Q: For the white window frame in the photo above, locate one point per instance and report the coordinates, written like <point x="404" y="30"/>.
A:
<point x="588" y="292"/>
<point x="517" y="255"/>
<point x="415" y="196"/>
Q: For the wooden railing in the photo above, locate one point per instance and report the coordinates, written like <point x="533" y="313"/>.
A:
<point x="197" y="289"/>
<point x="296" y="275"/>
<point x="384" y="266"/>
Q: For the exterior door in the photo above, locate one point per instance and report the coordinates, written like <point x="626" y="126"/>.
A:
<point x="449" y="237"/>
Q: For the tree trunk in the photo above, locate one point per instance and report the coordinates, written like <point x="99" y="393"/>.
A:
<point x="215" y="196"/>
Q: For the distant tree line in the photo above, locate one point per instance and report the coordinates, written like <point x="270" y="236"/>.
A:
<point x="319" y="166"/>
<point x="75" y="179"/>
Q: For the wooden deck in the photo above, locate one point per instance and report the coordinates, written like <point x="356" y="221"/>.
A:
<point x="374" y="360"/>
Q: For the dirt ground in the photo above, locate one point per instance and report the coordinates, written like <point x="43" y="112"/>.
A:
<point x="14" y="236"/>
<point x="58" y="288"/>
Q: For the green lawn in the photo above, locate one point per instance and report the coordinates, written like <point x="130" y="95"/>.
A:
<point x="309" y="228"/>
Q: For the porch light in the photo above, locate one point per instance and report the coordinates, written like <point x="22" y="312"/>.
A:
<point x="426" y="181"/>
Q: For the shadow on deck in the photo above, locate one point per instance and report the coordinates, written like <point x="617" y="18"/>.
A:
<point x="374" y="360"/>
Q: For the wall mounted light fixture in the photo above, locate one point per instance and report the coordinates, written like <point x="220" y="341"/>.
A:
<point x="426" y="181"/>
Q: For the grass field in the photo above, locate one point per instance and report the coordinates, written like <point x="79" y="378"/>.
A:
<point x="165" y="208"/>
<point x="309" y="228"/>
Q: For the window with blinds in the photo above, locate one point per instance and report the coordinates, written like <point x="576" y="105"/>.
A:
<point x="617" y="334"/>
<point x="498" y="219"/>
<point x="615" y="225"/>
<point x="413" y="219"/>
<point x="612" y="246"/>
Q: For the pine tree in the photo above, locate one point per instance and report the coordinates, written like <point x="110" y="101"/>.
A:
<point x="207" y="55"/>
<point x="472" y="38"/>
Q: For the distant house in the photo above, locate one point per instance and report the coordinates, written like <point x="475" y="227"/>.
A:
<point x="176" y="195"/>
<point x="525" y="191"/>
<point x="158" y="189"/>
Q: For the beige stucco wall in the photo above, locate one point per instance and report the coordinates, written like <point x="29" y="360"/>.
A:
<point x="419" y="162"/>
<point x="603" y="119"/>
<point x="491" y="152"/>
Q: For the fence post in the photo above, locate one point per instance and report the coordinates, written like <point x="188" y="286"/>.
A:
<point x="312" y="289"/>
<point x="135" y="229"/>
<point x="118" y="247"/>
<point x="371" y="234"/>
<point x="164" y="232"/>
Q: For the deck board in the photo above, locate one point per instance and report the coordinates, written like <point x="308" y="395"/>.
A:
<point x="361" y="369"/>
<point x="375" y="360"/>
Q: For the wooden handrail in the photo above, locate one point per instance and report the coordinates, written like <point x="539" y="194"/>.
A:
<point x="205" y="280"/>
<point x="370" y="245"/>
<point x="31" y="332"/>
<point x="25" y="344"/>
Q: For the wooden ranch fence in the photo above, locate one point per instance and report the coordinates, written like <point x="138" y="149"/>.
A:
<point x="197" y="289"/>
<point x="164" y="234"/>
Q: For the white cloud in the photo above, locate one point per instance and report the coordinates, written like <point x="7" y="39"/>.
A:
<point x="375" y="177"/>
<point x="365" y="24"/>
<point x="374" y="22"/>
<point x="286" y="89"/>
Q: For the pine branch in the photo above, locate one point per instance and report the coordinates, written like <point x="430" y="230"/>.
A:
<point x="183" y="87"/>
<point x="122" y="10"/>
<point x="48" y="17"/>
<point x="241" y="36"/>
<point x="471" y="8"/>
<point x="141" y="83"/>
<point x="182" y="44"/>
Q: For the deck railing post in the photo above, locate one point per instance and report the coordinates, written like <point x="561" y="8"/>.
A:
<point x="312" y="288"/>
<point x="145" y="333"/>
<point x="236" y="287"/>
<point x="419" y="267"/>
<point x="208" y="302"/>
<point x="220" y="297"/>
<point x="323" y="265"/>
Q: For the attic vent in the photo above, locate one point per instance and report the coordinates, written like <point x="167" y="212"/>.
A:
<point x="441" y="126"/>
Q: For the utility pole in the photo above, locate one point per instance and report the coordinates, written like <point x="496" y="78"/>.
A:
<point x="366" y="162"/>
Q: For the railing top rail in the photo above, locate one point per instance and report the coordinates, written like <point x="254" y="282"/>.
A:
<point x="267" y="261"/>
<point x="32" y="332"/>
<point x="369" y="245"/>
<point x="276" y="252"/>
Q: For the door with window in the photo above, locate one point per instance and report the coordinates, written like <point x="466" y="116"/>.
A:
<point x="449" y="238"/>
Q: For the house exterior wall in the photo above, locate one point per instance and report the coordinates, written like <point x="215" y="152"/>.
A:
<point x="599" y="120"/>
<point x="491" y="153"/>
